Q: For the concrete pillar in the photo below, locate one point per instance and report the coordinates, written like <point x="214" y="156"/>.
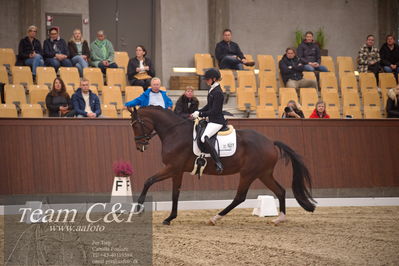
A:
<point x="388" y="19"/>
<point x="30" y="14"/>
<point x="219" y="19"/>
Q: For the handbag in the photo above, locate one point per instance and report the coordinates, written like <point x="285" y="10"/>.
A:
<point x="142" y="75"/>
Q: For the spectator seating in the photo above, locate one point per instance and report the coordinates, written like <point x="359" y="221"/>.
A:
<point x="367" y="82"/>
<point x="22" y="75"/>
<point x="70" y="76"/>
<point x="95" y="77"/>
<point x="308" y="97"/>
<point x="308" y="109"/>
<point x="328" y="82"/>
<point x="287" y="94"/>
<point x="246" y="100"/>
<point x="328" y="62"/>
<point x="352" y="110"/>
<point x="267" y="79"/>
<point x="14" y="94"/>
<point x="31" y="111"/>
<point x="45" y="76"/>
<point x="112" y="96"/>
<point x="132" y="92"/>
<point x="116" y="77"/>
<point x="7" y="57"/>
<point x="126" y="114"/>
<point x="3" y="75"/>
<point x="267" y="97"/>
<point x="227" y="83"/>
<point x="372" y="112"/>
<point x="345" y="65"/>
<point x="265" y="111"/>
<point x="202" y="61"/>
<point x="93" y="89"/>
<point x="8" y="110"/>
<point x="331" y="99"/>
<point x="387" y="81"/>
<point x="371" y="99"/>
<point x="348" y="83"/>
<point x="122" y="60"/>
<point x="266" y="63"/>
<point x="38" y="95"/>
<point x="246" y="79"/>
<point x="309" y="75"/>
<point x="69" y="90"/>
<point x="109" y="110"/>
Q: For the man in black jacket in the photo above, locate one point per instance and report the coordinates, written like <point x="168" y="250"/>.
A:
<point x="389" y="54"/>
<point x="291" y="68"/>
<point x="229" y="54"/>
<point x="30" y="50"/>
<point x="214" y="111"/>
<point x="55" y="50"/>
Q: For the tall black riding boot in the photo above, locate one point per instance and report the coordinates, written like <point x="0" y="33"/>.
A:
<point x="214" y="155"/>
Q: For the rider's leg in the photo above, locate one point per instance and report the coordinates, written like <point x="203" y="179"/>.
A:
<point x="212" y="129"/>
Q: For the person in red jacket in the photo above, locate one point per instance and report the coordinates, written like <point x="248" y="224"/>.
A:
<point x="319" y="111"/>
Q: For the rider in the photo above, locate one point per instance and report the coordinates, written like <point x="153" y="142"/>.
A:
<point x="213" y="110"/>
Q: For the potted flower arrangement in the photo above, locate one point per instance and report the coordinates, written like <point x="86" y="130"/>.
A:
<point x="122" y="185"/>
<point x="122" y="168"/>
<point x="321" y="41"/>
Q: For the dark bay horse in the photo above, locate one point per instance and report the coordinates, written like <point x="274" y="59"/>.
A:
<point x="255" y="157"/>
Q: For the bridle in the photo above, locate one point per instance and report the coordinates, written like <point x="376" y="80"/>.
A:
<point x="145" y="138"/>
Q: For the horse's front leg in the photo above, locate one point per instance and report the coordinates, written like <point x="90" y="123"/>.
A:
<point x="165" y="173"/>
<point x="177" y="180"/>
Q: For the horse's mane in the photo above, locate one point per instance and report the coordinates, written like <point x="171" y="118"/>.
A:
<point x="167" y="112"/>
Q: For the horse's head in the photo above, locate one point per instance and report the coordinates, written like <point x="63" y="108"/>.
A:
<point x="142" y="128"/>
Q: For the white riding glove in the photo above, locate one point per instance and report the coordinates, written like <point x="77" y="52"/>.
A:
<point x="195" y="114"/>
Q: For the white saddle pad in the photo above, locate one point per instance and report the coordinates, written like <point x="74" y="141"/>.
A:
<point x="227" y="144"/>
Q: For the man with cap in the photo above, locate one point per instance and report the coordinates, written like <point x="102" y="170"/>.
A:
<point x="214" y="111"/>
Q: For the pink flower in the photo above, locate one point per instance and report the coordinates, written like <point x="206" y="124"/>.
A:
<point x="122" y="168"/>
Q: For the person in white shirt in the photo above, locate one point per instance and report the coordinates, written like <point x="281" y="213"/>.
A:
<point x="152" y="96"/>
<point x="85" y="102"/>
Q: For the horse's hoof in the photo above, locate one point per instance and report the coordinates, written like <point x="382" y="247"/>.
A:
<point x="166" y="222"/>
<point x="211" y="222"/>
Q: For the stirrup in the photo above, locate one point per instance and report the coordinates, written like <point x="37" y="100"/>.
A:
<point x="199" y="165"/>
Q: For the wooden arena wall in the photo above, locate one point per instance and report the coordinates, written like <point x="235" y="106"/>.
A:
<point x="76" y="155"/>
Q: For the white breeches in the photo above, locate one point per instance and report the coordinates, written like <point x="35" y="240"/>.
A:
<point x="210" y="130"/>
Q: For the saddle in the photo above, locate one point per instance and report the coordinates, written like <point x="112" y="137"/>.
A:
<point x="200" y="128"/>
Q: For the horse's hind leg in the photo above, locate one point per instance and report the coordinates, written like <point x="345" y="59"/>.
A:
<point x="279" y="191"/>
<point x="245" y="183"/>
<point x="177" y="180"/>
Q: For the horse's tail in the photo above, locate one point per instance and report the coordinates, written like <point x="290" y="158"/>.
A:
<point x="301" y="177"/>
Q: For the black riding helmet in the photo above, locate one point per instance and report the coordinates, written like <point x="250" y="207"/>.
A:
<point x="212" y="73"/>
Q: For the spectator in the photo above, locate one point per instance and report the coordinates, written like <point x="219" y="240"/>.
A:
<point x="102" y="53"/>
<point x="291" y="68"/>
<point x="187" y="103"/>
<point x="55" y="51"/>
<point x="58" y="101"/>
<point x="152" y="96"/>
<point x="140" y="70"/>
<point x="79" y="51"/>
<point x="389" y="53"/>
<point x="30" y="50"/>
<point x="309" y="52"/>
<point x="85" y="102"/>
<point x="369" y="57"/>
<point x="320" y="111"/>
<point x="392" y="103"/>
<point x="292" y="110"/>
<point x="229" y="54"/>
